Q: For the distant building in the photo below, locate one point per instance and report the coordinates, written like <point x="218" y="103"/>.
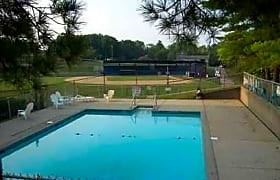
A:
<point x="184" y="57"/>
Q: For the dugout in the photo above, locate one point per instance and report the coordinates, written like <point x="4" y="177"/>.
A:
<point x="195" y="68"/>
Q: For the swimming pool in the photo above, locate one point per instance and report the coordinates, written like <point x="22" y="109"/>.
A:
<point x="115" y="144"/>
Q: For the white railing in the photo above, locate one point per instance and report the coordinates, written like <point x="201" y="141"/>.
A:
<point x="266" y="89"/>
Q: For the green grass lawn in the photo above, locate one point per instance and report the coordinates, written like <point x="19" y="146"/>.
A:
<point x="9" y="90"/>
<point x="6" y="86"/>
<point x="82" y="68"/>
<point x="52" y="80"/>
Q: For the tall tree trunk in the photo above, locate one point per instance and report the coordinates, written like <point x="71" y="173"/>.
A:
<point x="262" y="73"/>
<point x="39" y="98"/>
<point x="37" y="87"/>
<point x="36" y="99"/>
<point x="267" y="74"/>
<point x="276" y="74"/>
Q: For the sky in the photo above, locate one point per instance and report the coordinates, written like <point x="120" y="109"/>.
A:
<point x="118" y="18"/>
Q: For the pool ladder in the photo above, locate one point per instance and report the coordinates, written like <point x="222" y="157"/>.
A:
<point x="133" y="102"/>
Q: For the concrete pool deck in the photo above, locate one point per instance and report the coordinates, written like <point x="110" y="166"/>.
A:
<point x="244" y="147"/>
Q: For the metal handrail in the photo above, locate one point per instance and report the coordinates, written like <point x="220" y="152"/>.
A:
<point x="265" y="80"/>
<point x="266" y="89"/>
<point x="133" y="102"/>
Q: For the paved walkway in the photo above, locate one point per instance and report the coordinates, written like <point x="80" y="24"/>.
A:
<point x="244" y="148"/>
<point x="225" y="80"/>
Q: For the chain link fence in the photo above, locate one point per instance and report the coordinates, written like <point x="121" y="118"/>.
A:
<point x="12" y="100"/>
<point x="268" y="90"/>
<point x="169" y="90"/>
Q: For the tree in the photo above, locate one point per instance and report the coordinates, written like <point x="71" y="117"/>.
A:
<point x="70" y="47"/>
<point x="26" y="38"/>
<point x="187" y="47"/>
<point x="213" y="56"/>
<point x="268" y="54"/>
<point x="251" y="26"/>
<point x="244" y="23"/>
<point x="105" y="46"/>
<point x="131" y="50"/>
<point x="180" y="18"/>
<point x="204" y="50"/>
<point x="158" y="51"/>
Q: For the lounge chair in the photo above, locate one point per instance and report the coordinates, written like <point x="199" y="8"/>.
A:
<point x="80" y="98"/>
<point x="108" y="97"/>
<point x="25" y="113"/>
<point x="64" y="99"/>
<point x="55" y="100"/>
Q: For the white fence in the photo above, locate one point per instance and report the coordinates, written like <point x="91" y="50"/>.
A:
<point x="266" y="89"/>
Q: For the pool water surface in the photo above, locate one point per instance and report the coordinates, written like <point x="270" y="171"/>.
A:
<point x="117" y="145"/>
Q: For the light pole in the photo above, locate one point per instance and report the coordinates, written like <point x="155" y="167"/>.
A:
<point x="74" y="87"/>
<point x="167" y="88"/>
<point x="167" y="78"/>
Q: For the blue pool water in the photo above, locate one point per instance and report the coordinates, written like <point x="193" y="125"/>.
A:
<point x="106" y="145"/>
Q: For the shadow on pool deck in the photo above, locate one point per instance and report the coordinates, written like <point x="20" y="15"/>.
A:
<point x="244" y="148"/>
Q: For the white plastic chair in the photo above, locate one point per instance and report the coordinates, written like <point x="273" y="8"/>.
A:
<point x="64" y="99"/>
<point x="55" y="100"/>
<point x="25" y="113"/>
<point x="108" y="97"/>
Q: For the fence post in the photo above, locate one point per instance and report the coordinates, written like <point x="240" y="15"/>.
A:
<point x="74" y="88"/>
<point x="77" y="89"/>
<point x="9" y="109"/>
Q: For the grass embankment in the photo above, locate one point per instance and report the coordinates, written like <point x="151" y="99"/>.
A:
<point x="82" y="68"/>
<point x="8" y="90"/>
<point x="51" y="84"/>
